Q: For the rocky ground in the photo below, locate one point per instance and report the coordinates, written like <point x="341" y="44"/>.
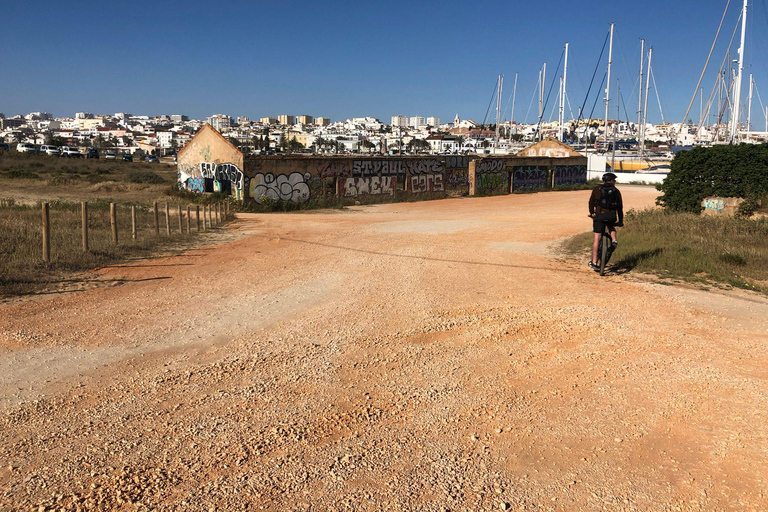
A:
<point x="424" y="356"/>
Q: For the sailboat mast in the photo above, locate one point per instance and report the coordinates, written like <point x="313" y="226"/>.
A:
<point x="562" y="94"/>
<point x="647" y="89"/>
<point x="640" y="126"/>
<point x="498" y="107"/>
<point x="737" y="93"/>
<point x="514" y="94"/>
<point x="749" y="104"/>
<point x="608" y="82"/>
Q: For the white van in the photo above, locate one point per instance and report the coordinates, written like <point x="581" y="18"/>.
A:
<point x="50" y="150"/>
<point x="25" y="147"/>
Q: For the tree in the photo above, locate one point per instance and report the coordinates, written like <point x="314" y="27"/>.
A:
<point x="294" y="145"/>
<point x="417" y="145"/>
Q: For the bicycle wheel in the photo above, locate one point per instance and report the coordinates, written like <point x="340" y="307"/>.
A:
<point x="603" y="253"/>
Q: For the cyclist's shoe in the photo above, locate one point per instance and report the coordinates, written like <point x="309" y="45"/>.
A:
<point x="594" y="267"/>
<point x="614" y="245"/>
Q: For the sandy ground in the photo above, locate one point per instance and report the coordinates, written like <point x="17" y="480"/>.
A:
<point x="424" y="356"/>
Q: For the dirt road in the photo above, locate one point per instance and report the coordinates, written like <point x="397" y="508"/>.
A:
<point x="424" y="356"/>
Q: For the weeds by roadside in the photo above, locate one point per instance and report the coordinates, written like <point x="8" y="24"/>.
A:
<point x="705" y="249"/>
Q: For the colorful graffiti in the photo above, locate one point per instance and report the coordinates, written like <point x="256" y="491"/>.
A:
<point x="490" y="183"/>
<point x="196" y="185"/>
<point x="570" y="174"/>
<point x="423" y="166"/>
<point x="352" y="187"/>
<point x="457" y="178"/>
<point x="377" y="167"/>
<point x="422" y="183"/>
<point x="334" y="169"/>
<point x="293" y="187"/>
<point x="529" y="178"/>
<point x="223" y="174"/>
<point x="714" y="203"/>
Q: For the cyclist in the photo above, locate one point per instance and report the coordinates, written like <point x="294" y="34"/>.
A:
<point x="606" y="209"/>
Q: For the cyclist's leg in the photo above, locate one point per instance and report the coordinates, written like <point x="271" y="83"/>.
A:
<point x="598" y="226"/>
<point x="595" y="246"/>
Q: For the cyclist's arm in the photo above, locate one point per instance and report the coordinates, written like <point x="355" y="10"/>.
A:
<point x="593" y="200"/>
<point x="621" y="208"/>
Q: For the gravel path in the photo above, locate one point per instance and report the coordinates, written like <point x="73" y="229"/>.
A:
<point x="426" y="356"/>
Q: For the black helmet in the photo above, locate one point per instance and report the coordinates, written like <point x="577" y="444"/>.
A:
<point x="609" y="176"/>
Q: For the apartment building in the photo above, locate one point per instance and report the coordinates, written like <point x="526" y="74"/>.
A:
<point x="268" y="120"/>
<point x="286" y="119"/>
<point x="399" y="121"/>
<point x="220" y="122"/>
<point x="322" y="121"/>
<point x="306" y="119"/>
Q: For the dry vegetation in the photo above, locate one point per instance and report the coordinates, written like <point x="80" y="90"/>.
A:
<point x="29" y="180"/>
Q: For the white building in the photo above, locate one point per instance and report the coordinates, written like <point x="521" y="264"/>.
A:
<point x="417" y="122"/>
<point x="399" y="121"/>
<point x="220" y="122"/>
<point x="433" y="121"/>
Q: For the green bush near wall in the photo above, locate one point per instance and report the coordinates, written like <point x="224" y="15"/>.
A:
<point x="722" y="171"/>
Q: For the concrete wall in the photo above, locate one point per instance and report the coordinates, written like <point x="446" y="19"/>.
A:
<point x="629" y="177"/>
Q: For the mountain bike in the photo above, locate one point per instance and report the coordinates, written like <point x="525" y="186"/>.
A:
<point x="604" y="250"/>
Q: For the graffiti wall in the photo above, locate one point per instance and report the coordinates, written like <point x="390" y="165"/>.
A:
<point x="529" y="177"/>
<point x="352" y="187"/>
<point x="491" y="177"/>
<point x="569" y="174"/>
<point x="294" y="187"/>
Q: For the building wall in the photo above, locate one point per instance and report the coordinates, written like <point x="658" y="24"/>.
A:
<point x="209" y="157"/>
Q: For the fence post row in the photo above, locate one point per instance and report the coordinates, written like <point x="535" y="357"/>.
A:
<point x="113" y="221"/>
<point x="157" y="220"/>
<point x="46" y="232"/>
<point x="167" y="219"/>
<point x="181" y="221"/>
<point x="134" y="231"/>
<point x="197" y="214"/>
<point x="84" y="224"/>
<point x="188" y="220"/>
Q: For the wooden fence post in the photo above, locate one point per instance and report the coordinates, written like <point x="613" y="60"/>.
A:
<point x="197" y="213"/>
<point x="113" y="221"/>
<point x="181" y="224"/>
<point x="205" y="218"/>
<point x="84" y="223"/>
<point x="218" y="213"/>
<point x="157" y="220"/>
<point x="46" y="232"/>
<point x="134" y="231"/>
<point x="188" y="219"/>
<point x="167" y="219"/>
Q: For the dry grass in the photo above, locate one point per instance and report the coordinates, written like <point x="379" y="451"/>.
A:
<point x="692" y="247"/>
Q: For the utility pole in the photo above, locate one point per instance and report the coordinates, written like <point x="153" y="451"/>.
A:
<point x="737" y="93"/>
<point x="608" y="82"/>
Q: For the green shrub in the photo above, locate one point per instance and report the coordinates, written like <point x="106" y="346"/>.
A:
<point x="144" y="177"/>
<point x="724" y="171"/>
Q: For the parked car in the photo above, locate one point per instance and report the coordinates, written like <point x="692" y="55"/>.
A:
<point x="25" y="147"/>
<point x="71" y="152"/>
<point x="92" y="153"/>
<point x="110" y="155"/>
<point x="127" y="157"/>
<point x="5" y="147"/>
<point x="50" y="150"/>
<point x="151" y="159"/>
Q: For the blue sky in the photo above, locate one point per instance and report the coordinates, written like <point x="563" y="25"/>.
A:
<point x="344" y="59"/>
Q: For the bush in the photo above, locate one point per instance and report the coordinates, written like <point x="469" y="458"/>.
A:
<point x="144" y="177"/>
<point x="724" y="171"/>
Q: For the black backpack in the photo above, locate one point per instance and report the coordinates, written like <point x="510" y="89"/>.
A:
<point x="609" y="199"/>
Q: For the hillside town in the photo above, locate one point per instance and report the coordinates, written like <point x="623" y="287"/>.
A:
<point x="163" y="135"/>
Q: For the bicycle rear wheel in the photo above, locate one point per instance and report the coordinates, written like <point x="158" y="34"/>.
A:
<point x="603" y="253"/>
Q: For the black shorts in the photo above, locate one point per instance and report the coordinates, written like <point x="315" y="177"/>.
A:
<point x="600" y="220"/>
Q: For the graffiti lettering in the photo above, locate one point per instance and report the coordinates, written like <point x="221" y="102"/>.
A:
<point x="424" y="166"/>
<point x="570" y="175"/>
<point x="351" y="187"/>
<point x="196" y="185"/>
<point x="222" y="172"/>
<point x="529" y="178"/>
<point x="546" y="152"/>
<point x="333" y="169"/>
<point x="493" y="183"/>
<point x="714" y="204"/>
<point x="427" y="183"/>
<point x="493" y="165"/>
<point x="377" y="167"/>
<point x="457" y="178"/>
<point x="281" y="187"/>
<point x="456" y="162"/>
